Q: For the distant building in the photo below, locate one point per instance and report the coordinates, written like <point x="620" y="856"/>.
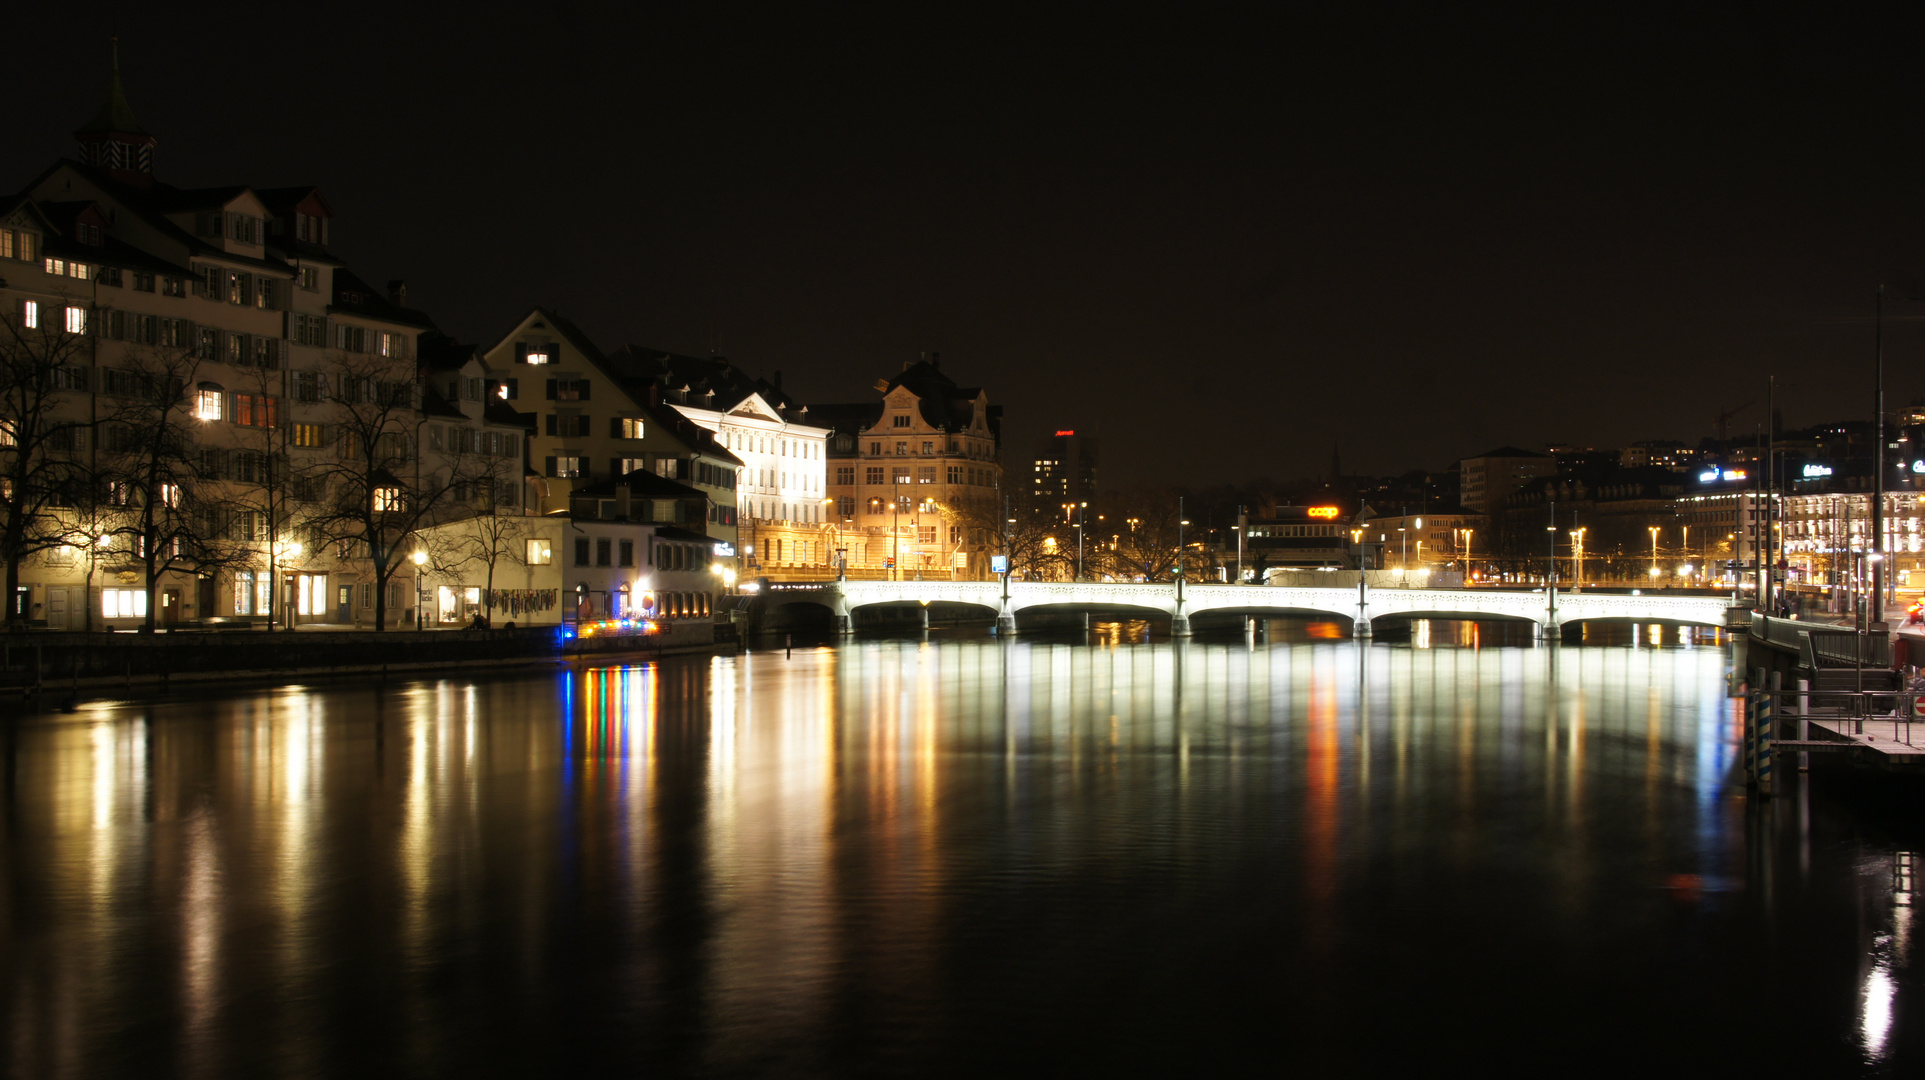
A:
<point x="1062" y="474"/>
<point x="1668" y="453"/>
<point x="1490" y="477"/>
<point x="1296" y="537"/>
<point x="1423" y="546"/>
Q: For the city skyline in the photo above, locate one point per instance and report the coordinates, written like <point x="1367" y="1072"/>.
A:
<point x="1417" y="243"/>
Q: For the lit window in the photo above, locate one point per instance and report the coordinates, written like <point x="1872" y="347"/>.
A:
<point x="123" y="603"/>
<point x="56" y="267"/>
<point x="537" y="357"/>
<point x="631" y="429"/>
<point x="170" y="495"/>
<point x="30" y="314"/>
<point x="387" y="499"/>
<point x="208" y="405"/>
<point x="540" y="553"/>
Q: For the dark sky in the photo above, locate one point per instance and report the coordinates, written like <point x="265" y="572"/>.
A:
<point x="1222" y="246"/>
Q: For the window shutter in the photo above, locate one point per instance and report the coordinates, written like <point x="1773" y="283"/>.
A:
<point x="614" y="427"/>
<point x="582" y="385"/>
<point x="614" y="466"/>
<point x="551" y="391"/>
<point x="551" y="467"/>
<point x="551" y="423"/>
<point x="521" y="352"/>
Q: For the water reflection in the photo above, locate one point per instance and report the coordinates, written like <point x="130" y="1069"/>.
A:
<point x="938" y="856"/>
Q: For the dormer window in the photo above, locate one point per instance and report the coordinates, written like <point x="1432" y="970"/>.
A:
<point x="534" y="353"/>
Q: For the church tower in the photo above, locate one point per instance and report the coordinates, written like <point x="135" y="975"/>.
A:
<point x="114" y="142"/>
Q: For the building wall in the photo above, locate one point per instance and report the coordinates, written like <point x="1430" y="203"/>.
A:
<point x="781" y="487"/>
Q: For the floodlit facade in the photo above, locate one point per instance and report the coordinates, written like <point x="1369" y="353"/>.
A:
<point x="916" y="477"/>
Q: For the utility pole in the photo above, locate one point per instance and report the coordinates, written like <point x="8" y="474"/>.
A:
<point x="1243" y="523"/>
<point x="1878" y="464"/>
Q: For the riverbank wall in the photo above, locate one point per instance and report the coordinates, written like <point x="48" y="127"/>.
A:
<point x="33" y="662"/>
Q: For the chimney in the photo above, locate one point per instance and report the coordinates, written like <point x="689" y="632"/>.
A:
<point x="398" y="292"/>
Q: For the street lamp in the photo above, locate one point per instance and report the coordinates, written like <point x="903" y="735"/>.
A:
<point x="1653" y="529"/>
<point x="1577" y="549"/>
<point x="420" y="558"/>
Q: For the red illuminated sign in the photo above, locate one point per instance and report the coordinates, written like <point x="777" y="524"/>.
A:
<point x="1062" y="433"/>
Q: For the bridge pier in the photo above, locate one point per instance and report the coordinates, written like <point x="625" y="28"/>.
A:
<point x="1179" y="625"/>
<point x="1006" y="625"/>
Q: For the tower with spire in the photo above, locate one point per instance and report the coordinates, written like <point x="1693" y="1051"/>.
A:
<point x="113" y="141"/>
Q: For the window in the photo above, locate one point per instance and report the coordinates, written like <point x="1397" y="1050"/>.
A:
<point x="955" y="474"/>
<point x="581" y="551"/>
<point x="875" y="449"/>
<point x="902" y="475"/>
<point x="846" y="474"/>
<point x="208" y="404"/>
<point x="901" y="420"/>
<point x="169" y="495"/>
<point x="123" y="603"/>
<point x="627" y="553"/>
<point x="143" y="281"/>
<point x="529" y="353"/>
<point x="30" y="314"/>
<point x="847" y="506"/>
<point x="540" y="553"/>
<point x="307" y="386"/>
<point x="567" y="425"/>
<point x="252" y="593"/>
<point x="624" y="466"/>
<point x="387" y="499"/>
<point x="309" y="278"/>
<point x="506" y="390"/>
<point x="926" y="474"/>
<point x="108" y="275"/>
<point x="173" y="286"/>
<point x="928" y="447"/>
<point x="254" y="410"/>
<point x="354" y="339"/>
<point x="630" y="429"/>
<point x="565" y="466"/>
<point x="601" y="551"/>
<point x="926" y="534"/>
<point x="308" y="330"/>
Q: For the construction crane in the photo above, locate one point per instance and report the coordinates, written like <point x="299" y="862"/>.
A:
<point x="1724" y="419"/>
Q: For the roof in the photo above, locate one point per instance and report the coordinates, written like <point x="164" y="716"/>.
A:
<point x="942" y="403"/>
<point x="433" y="404"/>
<point x="693" y="435"/>
<point x="352" y="296"/>
<point x="673" y="532"/>
<point x="720" y="383"/>
<point x="115" y="115"/>
<point x="640" y="483"/>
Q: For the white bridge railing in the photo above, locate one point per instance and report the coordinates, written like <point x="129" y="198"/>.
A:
<point x="1358" y="603"/>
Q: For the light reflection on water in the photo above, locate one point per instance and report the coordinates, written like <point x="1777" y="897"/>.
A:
<point x="939" y="856"/>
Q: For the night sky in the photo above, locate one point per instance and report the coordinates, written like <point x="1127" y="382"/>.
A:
<point x="1221" y="246"/>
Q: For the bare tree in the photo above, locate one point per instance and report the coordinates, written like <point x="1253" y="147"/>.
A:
<point x="173" y="514"/>
<point x="1146" y="531"/>
<point x="382" y="486"/>
<point x="43" y="440"/>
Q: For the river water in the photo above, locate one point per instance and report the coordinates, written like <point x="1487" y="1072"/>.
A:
<point x="953" y="856"/>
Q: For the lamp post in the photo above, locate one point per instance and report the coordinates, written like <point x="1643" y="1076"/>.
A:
<point x="1082" y="518"/>
<point x="1577" y="552"/>
<point x="420" y="558"/>
<point x="1653" y="530"/>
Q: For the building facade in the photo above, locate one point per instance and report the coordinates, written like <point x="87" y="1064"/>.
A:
<point x="208" y="416"/>
<point x="916" y="477"/>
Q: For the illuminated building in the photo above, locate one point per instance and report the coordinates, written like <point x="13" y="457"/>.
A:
<point x="236" y="298"/>
<point x="784" y="525"/>
<point x="915" y="476"/>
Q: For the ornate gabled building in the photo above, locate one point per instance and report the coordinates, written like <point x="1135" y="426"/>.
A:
<point x="209" y="416"/>
<point x="916" y="477"/>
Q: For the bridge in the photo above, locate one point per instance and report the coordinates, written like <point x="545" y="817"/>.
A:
<point x="1356" y="603"/>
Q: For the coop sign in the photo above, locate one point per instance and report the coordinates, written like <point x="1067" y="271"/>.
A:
<point x="1326" y="512"/>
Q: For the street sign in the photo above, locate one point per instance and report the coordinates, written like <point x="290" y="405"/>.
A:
<point x="999" y="564"/>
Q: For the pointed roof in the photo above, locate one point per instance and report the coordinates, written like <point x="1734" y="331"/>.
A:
<point x="115" y="115"/>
